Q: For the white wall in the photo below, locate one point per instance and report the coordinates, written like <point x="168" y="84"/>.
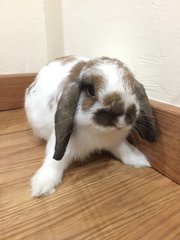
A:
<point x="54" y="28"/>
<point x="145" y="34"/>
<point x="30" y="34"/>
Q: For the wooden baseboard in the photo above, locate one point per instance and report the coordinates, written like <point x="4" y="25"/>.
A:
<point x="164" y="154"/>
<point x="12" y="89"/>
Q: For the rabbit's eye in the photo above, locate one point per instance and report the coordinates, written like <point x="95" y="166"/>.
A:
<point x="90" y="91"/>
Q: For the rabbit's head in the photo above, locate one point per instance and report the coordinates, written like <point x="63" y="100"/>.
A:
<point x="103" y="94"/>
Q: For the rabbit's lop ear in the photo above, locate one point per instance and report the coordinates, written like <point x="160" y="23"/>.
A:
<point x="145" y="125"/>
<point x="64" y="118"/>
<point x="66" y="109"/>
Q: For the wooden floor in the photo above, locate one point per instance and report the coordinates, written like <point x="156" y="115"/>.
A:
<point x="101" y="199"/>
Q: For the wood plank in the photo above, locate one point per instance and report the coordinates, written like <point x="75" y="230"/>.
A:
<point x="14" y="122"/>
<point x="12" y="89"/>
<point x="101" y="199"/>
<point x="164" y="154"/>
<point x="20" y="145"/>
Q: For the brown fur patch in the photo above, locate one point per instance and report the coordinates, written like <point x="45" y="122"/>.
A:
<point x="66" y="59"/>
<point x="108" y="116"/>
<point x="88" y="103"/>
<point x="109" y="99"/>
<point x="131" y="114"/>
<point x="75" y="71"/>
<point x="73" y="75"/>
<point x="105" y="60"/>
<point x="98" y="83"/>
<point x="117" y="107"/>
<point x="95" y="80"/>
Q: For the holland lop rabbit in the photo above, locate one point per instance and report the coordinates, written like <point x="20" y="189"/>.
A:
<point x="79" y="106"/>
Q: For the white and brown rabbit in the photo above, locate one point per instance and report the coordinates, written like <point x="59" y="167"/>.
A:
<point x="80" y="106"/>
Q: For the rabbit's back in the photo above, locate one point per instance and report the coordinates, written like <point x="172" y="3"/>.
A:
<point x="42" y="96"/>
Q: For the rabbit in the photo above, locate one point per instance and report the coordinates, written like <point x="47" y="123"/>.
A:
<point x="80" y="106"/>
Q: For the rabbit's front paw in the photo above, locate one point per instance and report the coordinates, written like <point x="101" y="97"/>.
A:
<point x="137" y="160"/>
<point x="44" y="181"/>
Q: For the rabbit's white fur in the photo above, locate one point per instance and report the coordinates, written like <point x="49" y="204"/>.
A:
<point x="48" y="88"/>
<point x="50" y="82"/>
